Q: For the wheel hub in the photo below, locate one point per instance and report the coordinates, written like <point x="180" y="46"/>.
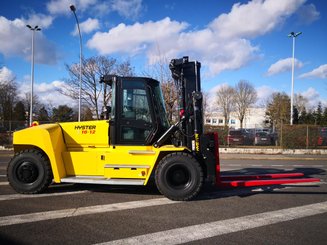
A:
<point x="178" y="177"/>
<point x="27" y="172"/>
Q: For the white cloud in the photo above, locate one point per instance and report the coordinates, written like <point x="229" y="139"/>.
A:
<point x="130" y="9"/>
<point x="59" y="6"/>
<point x="88" y="26"/>
<point x="320" y="72"/>
<point x="6" y="75"/>
<point x="264" y="92"/>
<point x="47" y="93"/>
<point x="15" y="40"/>
<point x="308" y="14"/>
<point x="283" y="65"/>
<point x="254" y="18"/>
<point x="215" y="89"/>
<point x="313" y="97"/>
<point x="62" y="6"/>
<point x="40" y="20"/>
<point x="223" y="45"/>
<point x="136" y="37"/>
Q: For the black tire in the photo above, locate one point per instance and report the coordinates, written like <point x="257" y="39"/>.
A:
<point x="179" y="176"/>
<point x="29" y="172"/>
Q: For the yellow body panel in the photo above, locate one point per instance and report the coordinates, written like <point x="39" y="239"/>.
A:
<point x="82" y="149"/>
<point x="81" y="162"/>
<point x="47" y="137"/>
<point x="86" y="134"/>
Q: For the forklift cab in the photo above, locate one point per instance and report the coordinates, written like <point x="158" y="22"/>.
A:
<point x="137" y="115"/>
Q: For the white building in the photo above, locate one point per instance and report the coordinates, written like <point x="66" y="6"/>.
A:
<point x="254" y="118"/>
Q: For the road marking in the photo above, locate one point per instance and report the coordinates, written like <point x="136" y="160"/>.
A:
<point x="73" y="212"/>
<point x="203" y="231"/>
<point x="277" y="165"/>
<point x="256" y="190"/>
<point x="306" y="184"/>
<point x="4" y="183"/>
<point x="3" y="175"/>
<point x="289" y="186"/>
<point x="24" y="196"/>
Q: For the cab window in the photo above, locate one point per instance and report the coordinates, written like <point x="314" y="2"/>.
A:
<point x="136" y="122"/>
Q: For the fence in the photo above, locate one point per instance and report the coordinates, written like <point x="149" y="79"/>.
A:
<point x="287" y="136"/>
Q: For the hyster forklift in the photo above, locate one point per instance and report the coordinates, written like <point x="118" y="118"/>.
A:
<point x="135" y="143"/>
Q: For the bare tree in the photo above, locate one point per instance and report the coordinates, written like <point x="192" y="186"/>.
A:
<point x="93" y="93"/>
<point x="208" y="105"/>
<point x="124" y="69"/>
<point x="7" y="99"/>
<point x="300" y="102"/>
<point x="225" y="100"/>
<point x="245" y="96"/>
<point x="37" y="105"/>
<point x="160" y="71"/>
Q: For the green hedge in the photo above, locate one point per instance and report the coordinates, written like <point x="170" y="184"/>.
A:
<point x="222" y="133"/>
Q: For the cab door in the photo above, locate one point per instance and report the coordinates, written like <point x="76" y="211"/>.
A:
<point x="135" y="118"/>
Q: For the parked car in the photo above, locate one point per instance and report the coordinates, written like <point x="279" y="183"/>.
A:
<point x="248" y="136"/>
<point x="235" y="137"/>
<point x="262" y="138"/>
<point x="273" y="135"/>
<point x="322" y="138"/>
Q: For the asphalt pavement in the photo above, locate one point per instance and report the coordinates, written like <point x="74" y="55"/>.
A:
<point x="97" y="214"/>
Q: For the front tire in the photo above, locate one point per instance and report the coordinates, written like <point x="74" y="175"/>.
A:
<point x="179" y="176"/>
<point x="29" y="172"/>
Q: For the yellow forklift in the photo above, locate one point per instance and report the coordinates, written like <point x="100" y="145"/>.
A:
<point x="133" y="144"/>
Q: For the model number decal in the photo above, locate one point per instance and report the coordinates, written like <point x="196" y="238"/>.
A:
<point x="86" y="129"/>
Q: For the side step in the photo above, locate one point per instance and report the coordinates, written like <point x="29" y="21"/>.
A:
<point x="101" y="180"/>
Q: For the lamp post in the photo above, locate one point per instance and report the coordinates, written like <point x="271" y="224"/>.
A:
<point x="33" y="29"/>
<point x="73" y="9"/>
<point x="293" y="35"/>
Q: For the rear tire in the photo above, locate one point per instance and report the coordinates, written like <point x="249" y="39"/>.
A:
<point x="29" y="172"/>
<point x="179" y="176"/>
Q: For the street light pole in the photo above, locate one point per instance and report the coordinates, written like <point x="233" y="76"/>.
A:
<point x="73" y="9"/>
<point x="33" y="29"/>
<point x="293" y="35"/>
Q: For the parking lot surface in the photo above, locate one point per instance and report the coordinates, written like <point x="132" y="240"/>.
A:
<point x="98" y="214"/>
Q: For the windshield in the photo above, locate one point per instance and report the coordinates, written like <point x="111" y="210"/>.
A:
<point x="161" y="105"/>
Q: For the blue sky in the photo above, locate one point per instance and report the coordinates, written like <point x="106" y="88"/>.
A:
<point x="233" y="40"/>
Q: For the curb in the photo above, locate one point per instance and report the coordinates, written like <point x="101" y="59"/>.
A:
<point x="2" y="148"/>
<point x="268" y="157"/>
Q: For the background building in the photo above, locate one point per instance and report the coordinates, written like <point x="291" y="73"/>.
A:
<point x="255" y="118"/>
